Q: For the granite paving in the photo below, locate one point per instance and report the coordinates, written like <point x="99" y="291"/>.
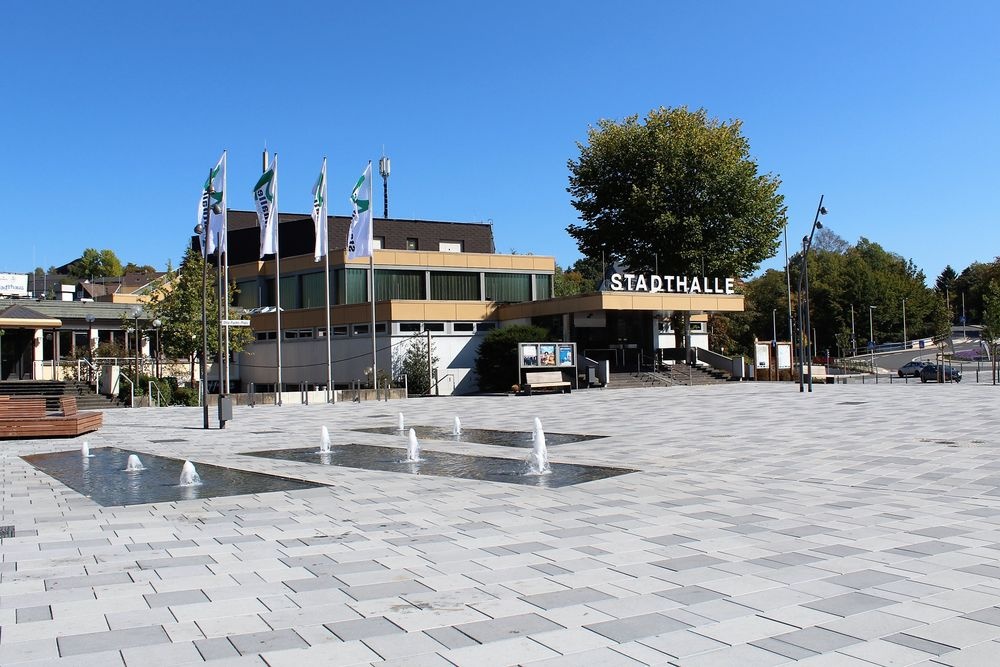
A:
<point x="856" y="525"/>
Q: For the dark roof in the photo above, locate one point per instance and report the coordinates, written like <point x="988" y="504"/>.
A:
<point x="22" y="312"/>
<point x="298" y="234"/>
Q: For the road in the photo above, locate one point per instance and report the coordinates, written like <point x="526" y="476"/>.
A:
<point x="893" y="360"/>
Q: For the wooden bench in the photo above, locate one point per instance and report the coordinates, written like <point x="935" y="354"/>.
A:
<point x="545" y="380"/>
<point x="25" y="417"/>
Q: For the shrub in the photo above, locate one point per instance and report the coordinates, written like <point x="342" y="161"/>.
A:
<point x="185" y="396"/>
<point x="497" y="364"/>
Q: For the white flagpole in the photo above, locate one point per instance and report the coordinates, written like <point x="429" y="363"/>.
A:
<point x="277" y="269"/>
<point x="225" y="250"/>
<point x="371" y="270"/>
<point x="331" y="395"/>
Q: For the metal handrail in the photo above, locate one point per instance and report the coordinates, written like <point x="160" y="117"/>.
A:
<point x="159" y="394"/>
<point x="131" y="387"/>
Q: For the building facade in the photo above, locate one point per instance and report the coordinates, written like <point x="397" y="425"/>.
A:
<point x="443" y="280"/>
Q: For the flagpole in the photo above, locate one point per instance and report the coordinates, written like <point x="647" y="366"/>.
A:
<point x="331" y="395"/>
<point x="225" y="251"/>
<point x="371" y="270"/>
<point x="203" y="371"/>
<point x="277" y="268"/>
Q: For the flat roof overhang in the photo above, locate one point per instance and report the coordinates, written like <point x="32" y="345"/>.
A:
<point x="37" y="323"/>
<point x="639" y="301"/>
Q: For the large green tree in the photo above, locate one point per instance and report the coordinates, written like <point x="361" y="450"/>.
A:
<point x="97" y="264"/>
<point x="179" y="305"/>
<point x="677" y="190"/>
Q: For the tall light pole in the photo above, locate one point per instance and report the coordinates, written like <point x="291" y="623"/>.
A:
<point x="156" y="327"/>
<point x="136" y="312"/>
<point x="871" y="339"/>
<point x="905" y="346"/>
<point x="90" y="346"/>
<point x="854" y="338"/>
<point x="774" y="339"/>
<point x="804" y="297"/>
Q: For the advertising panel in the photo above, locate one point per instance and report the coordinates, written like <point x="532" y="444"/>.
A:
<point x="762" y="355"/>
<point x="13" y="284"/>
<point x="784" y="356"/>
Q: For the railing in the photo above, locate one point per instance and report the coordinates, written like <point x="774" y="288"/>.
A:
<point x="251" y="394"/>
<point x="131" y="387"/>
<point x="304" y="393"/>
<point x="159" y="394"/>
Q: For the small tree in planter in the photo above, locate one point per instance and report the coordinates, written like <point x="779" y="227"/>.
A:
<point x="414" y="365"/>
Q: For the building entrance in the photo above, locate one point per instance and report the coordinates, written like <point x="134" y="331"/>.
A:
<point x="15" y="354"/>
<point x="625" y="340"/>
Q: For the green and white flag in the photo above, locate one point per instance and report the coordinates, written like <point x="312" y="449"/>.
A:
<point x="359" y="238"/>
<point x="214" y="240"/>
<point x="319" y="214"/>
<point x="265" y="197"/>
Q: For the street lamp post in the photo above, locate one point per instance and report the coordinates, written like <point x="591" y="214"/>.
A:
<point x="202" y="231"/>
<point x="804" y="297"/>
<point x="905" y="346"/>
<point x="871" y="339"/>
<point x="854" y="338"/>
<point x="136" y="312"/>
<point x="90" y="346"/>
<point x="774" y="339"/>
<point x="156" y="327"/>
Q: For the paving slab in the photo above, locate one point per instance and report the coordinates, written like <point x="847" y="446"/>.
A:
<point x="761" y="526"/>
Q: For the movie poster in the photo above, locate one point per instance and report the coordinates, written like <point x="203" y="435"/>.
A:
<point x="529" y="355"/>
<point x="546" y="355"/>
<point x="565" y="355"/>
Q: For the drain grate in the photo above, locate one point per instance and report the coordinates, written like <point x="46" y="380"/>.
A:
<point x="160" y="442"/>
<point x="6" y="531"/>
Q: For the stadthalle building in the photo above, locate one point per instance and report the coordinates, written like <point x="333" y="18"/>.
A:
<point x="444" y="278"/>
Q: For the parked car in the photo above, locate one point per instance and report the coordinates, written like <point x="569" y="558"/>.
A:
<point x="944" y="373"/>
<point x="911" y="369"/>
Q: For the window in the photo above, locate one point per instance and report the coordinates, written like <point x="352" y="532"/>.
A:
<point x="433" y="326"/>
<point x="291" y="334"/>
<point x="378" y="242"/>
<point x="340" y="330"/>
<point x="697" y="326"/>
<point x="380" y="327"/>
<point x="411" y="244"/>
<point x="543" y="287"/>
<point x="463" y="327"/>
<point x="289" y="292"/>
<point x="409" y="327"/>
<point x="313" y="292"/>
<point x="509" y="287"/>
<point x="486" y="326"/>
<point x="352" y="285"/>
<point x="246" y="294"/>
<point x="399" y="284"/>
<point x="265" y="335"/>
<point x="359" y="330"/>
<point x="451" y="246"/>
<point x="454" y="286"/>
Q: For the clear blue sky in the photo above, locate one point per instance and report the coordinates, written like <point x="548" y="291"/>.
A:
<point x="112" y="112"/>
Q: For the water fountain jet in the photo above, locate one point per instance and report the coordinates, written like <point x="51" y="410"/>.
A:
<point x="189" y="476"/>
<point x="85" y="450"/>
<point x="134" y="464"/>
<point x="324" y="441"/>
<point x="538" y="460"/>
<point x="401" y="428"/>
<point x="412" y="448"/>
<point x="457" y="428"/>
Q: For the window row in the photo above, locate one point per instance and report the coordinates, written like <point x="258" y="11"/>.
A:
<point x="306" y="290"/>
<point x="398" y="328"/>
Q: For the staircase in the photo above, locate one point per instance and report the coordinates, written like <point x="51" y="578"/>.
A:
<point x="675" y="375"/>
<point x="86" y="398"/>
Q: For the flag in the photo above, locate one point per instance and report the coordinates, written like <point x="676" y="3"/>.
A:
<point x="265" y="196"/>
<point x="214" y="223"/>
<point x="359" y="238"/>
<point x="319" y="214"/>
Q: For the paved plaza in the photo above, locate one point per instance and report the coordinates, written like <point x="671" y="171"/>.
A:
<point x="855" y="526"/>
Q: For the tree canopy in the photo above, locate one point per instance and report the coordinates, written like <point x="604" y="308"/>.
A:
<point x="179" y="308"/>
<point x="678" y="190"/>
<point x="97" y="264"/>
